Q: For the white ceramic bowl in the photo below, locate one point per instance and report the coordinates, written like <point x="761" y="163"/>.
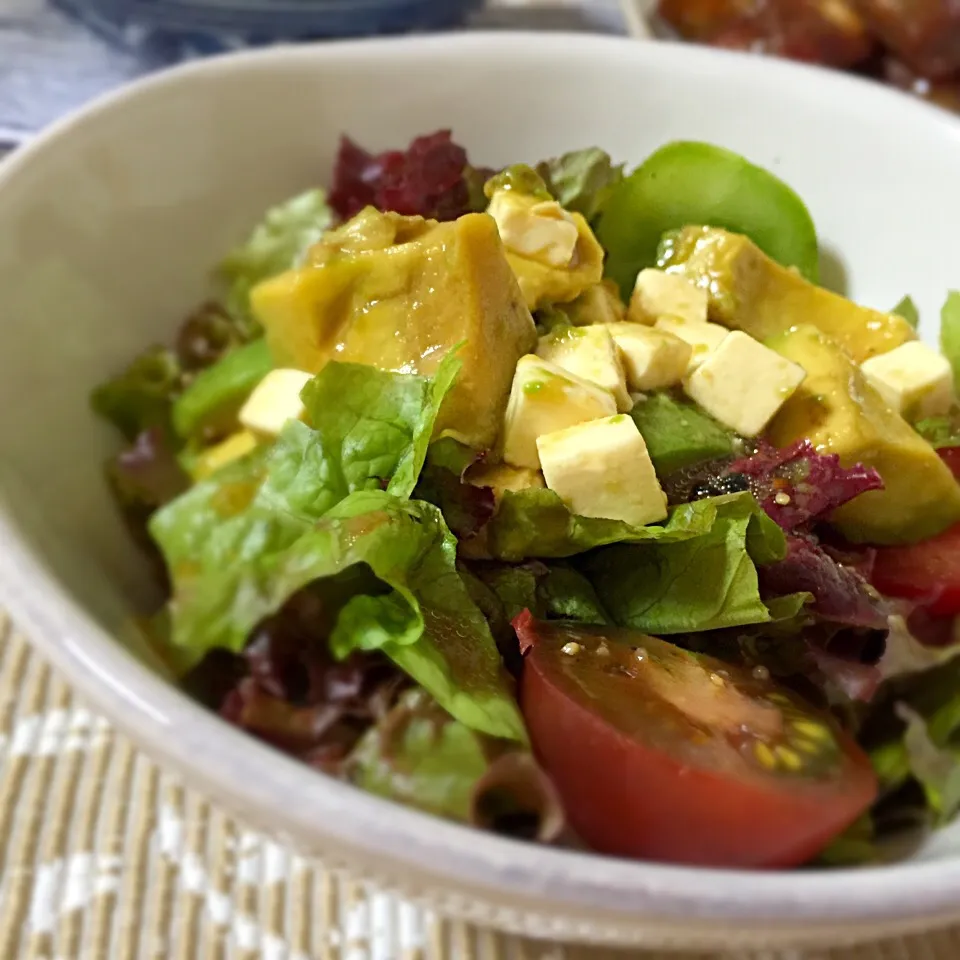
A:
<point x="108" y="225"/>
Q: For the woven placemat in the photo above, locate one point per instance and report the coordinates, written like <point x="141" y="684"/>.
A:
<point x="104" y="856"/>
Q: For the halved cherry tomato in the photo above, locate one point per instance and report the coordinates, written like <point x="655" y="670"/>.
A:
<point x="665" y="755"/>
<point x="927" y="572"/>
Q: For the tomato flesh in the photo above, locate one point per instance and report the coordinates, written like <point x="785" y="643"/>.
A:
<point x="951" y="457"/>
<point x="927" y="572"/>
<point x="663" y="755"/>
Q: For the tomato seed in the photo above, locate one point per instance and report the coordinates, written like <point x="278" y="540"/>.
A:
<point x="813" y="730"/>
<point x="788" y="758"/>
<point x="765" y="755"/>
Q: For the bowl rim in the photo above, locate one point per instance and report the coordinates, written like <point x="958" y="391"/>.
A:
<point x="190" y="739"/>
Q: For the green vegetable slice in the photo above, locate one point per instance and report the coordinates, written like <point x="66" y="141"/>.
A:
<point x="217" y="393"/>
<point x="688" y="183"/>
<point x="950" y="333"/>
<point x="907" y="309"/>
<point x="679" y="434"/>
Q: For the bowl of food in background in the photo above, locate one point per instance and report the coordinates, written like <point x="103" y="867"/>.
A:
<point x="910" y="44"/>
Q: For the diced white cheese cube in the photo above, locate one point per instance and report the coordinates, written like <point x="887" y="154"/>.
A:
<point x="600" y="303"/>
<point x="652" y="359"/>
<point x="588" y="352"/>
<point x="503" y="478"/>
<point x="659" y="294"/>
<point x="540" y="230"/>
<point x="743" y="383"/>
<point x="914" y="379"/>
<point x="603" y="469"/>
<point x="274" y="401"/>
<point x="703" y="337"/>
<point x="545" y="398"/>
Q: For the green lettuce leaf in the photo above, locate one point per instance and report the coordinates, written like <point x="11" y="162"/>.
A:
<point x="950" y="332"/>
<point x="934" y="697"/>
<point x="554" y="591"/>
<point x="678" y="434"/>
<point x="427" y="623"/>
<point x="905" y="655"/>
<point x="582" y="180"/>
<point x="422" y="757"/>
<point x="566" y="594"/>
<point x="936" y="768"/>
<point x="279" y="243"/>
<point x="419" y="613"/>
<point x="856" y="846"/>
<point x="319" y="504"/>
<point x="370" y="431"/>
<point x="708" y="582"/>
<point x="940" y="432"/>
<point x="504" y="591"/>
<point x="142" y="396"/>
<point x="907" y="309"/>
<point x="451" y="455"/>
<point x="536" y="523"/>
<point x="371" y="425"/>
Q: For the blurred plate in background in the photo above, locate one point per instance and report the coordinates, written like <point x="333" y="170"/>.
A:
<point x="51" y="60"/>
<point x="205" y="25"/>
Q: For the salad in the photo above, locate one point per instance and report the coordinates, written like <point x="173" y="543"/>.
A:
<point x="564" y="502"/>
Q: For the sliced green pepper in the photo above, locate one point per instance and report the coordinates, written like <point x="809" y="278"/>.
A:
<point x="217" y="392"/>
<point x="688" y="183"/>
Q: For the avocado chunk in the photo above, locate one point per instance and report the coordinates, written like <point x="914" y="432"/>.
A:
<point x="600" y="303"/>
<point x="748" y="291"/>
<point x="678" y="434"/>
<point x="840" y="412"/>
<point x="544" y="285"/>
<point x="400" y="293"/>
<point x="530" y="223"/>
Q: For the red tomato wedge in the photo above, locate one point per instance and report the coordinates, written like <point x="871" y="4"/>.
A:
<point x="951" y="457"/>
<point x="661" y="754"/>
<point x="927" y="572"/>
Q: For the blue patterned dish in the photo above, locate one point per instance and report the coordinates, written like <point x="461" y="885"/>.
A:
<point x="206" y="26"/>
